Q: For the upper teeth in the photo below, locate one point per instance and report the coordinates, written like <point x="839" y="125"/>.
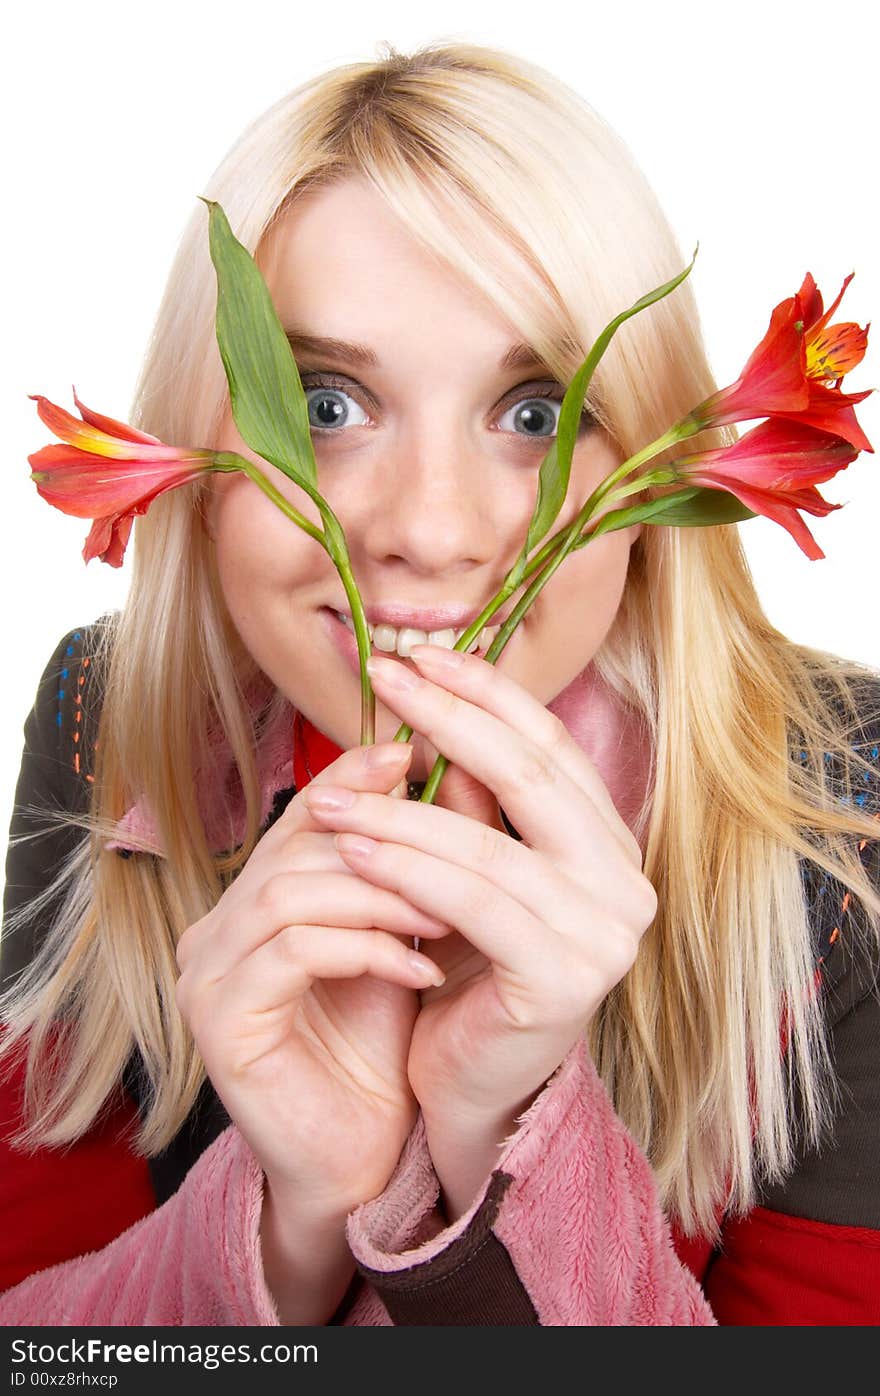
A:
<point x="389" y="639"/>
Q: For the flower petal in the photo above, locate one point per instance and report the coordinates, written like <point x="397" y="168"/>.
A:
<point x="772" y="507"/>
<point x="111" y="426"/>
<point x="91" y="487"/>
<point x="814" y="320"/>
<point x="107" y="540"/>
<point x="90" y="438"/>
<point x="810" y="301"/>
<point x="831" y="410"/>
<point x="791" y="520"/>
<point x="778" y="455"/>
<point x="773" y="378"/>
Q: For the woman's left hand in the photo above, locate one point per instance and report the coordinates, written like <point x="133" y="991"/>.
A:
<point x="543" y="928"/>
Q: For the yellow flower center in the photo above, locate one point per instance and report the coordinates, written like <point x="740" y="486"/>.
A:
<point x="834" y="351"/>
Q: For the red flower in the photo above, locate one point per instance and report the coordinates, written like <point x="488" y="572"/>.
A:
<point x="796" y="371"/>
<point x="108" y="472"/>
<point x="774" y="470"/>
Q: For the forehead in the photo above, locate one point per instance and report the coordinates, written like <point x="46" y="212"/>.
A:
<point x="338" y="262"/>
<point x="345" y="233"/>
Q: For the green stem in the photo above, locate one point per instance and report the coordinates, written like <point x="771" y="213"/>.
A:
<point x="362" y="635"/>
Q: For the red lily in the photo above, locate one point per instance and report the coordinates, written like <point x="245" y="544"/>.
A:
<point x="774" y="470"/>
<point x="108" y="472"/>
<point x="797" y="369"/>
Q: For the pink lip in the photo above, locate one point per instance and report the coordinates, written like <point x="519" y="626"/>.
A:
<point x="426" y="618"/>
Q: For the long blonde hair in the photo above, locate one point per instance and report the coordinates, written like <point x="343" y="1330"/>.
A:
<point x="521" y="187"/>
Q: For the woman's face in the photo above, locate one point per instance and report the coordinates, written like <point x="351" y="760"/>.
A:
<point x="429" y="433"/>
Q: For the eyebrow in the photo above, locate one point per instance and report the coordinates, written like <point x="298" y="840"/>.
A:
<point x="316" y="346"/>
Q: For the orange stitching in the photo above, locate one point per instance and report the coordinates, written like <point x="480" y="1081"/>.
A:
<point x="84" y="662"/>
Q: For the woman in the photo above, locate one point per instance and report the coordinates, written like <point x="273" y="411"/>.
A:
<point x="634" y="1009"/>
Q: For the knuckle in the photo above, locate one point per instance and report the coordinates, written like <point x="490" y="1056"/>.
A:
<point x="480" y="900"/>
<point x="554" y="735"/>
<point x="640" y="899"/>
<point x="649" y="901"/>
<point x="187" y="944"/>
<point x="291" y="943"/>
<point x="273" y="895"/>
<point x="621" y="950"/>
<point x="531" y="767"/>
<point x="310" y="852"/>
<point x="182" y="951"/>
<point x="291" y="846"/>
<point x="492" y="847"/>
<point x="448" y="708"/>
<point x="188" y="1005"/>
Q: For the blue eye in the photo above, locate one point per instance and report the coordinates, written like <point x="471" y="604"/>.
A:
<point x="532" y="416"/>
<point x="538" y="414"/>
<point x="331" y="408"/>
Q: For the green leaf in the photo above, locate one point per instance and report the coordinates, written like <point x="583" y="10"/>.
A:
<point x="692" y="508"/>
<point x="268" y="402"/>
<point x="704" y="509"/>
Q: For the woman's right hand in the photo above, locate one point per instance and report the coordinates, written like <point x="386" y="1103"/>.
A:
<point x="303" y="1010"/>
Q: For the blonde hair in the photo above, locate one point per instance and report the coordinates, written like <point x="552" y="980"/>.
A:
<point x="517" y="184"/>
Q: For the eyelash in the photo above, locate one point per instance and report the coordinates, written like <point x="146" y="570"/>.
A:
<point x="553" y="392"/>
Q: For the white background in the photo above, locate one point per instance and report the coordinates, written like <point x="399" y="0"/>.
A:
<point x="757" y="124"/>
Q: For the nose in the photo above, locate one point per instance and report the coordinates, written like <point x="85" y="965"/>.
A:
<point x="433" y="505"/>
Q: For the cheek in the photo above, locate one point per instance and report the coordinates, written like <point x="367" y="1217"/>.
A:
<point x="589" y="596"/>
<point x="250" y="532"/>
<point x="257" y="548"/>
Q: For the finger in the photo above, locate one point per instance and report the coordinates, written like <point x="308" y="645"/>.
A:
<point x="495" y="692"/>
<point x="613" y="887"/>
<point x="504" y="930"/>
<point x="317" y="853"/>
<point x="553" y="895"/>
<point x="291" y="898"/>
<point x="380" y="767"/>
<point x="450" y="836"/>
<point x="282" y="970"/>
<point x="559" y="967"/>
<point x="484" y="721"/>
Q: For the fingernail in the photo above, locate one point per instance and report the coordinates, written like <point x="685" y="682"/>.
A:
<point x="392" y="675"/>
<point x="390" y="754"/>
<point x="436" y="657"/>
<point x="328" y="797"/>
<point x="355" y="845"/>
<point x="426" y="970"/>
